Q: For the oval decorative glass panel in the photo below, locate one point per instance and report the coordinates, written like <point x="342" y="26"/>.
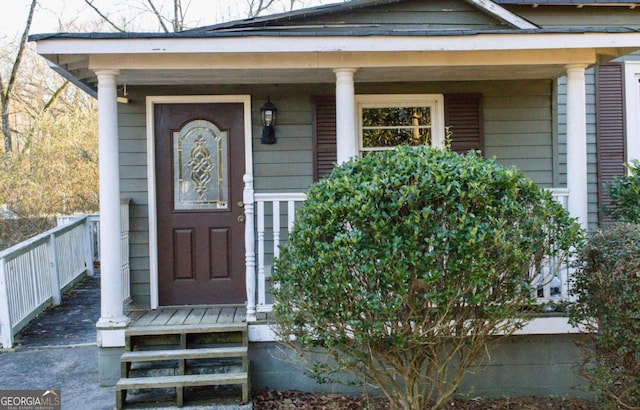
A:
<point x="200" y="177"/>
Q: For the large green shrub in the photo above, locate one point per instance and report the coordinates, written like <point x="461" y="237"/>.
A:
<point x="607" y="291"/>
<point x="404" y="265"/>
<point x="625" y="196"/>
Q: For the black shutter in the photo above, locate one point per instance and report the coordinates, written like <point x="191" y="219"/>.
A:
<point x="463" y="115"/>
<point x="610" y="129"/>
<point x="324" y="135"/>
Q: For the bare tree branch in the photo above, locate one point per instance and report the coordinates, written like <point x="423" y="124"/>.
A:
<point x="178" y="19"/>
<point x="6" y="92"/>
<point x="104" y="17"/>
<point x="258" y="6"/>
<point x="56" y="95"/>
<point x="158" y="15"/>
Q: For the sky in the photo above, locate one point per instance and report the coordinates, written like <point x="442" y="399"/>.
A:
<point x="50" y="13"/>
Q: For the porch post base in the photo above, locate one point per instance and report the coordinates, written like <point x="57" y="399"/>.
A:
<point x="109" y="365"/>
<point x="111" y="332"/>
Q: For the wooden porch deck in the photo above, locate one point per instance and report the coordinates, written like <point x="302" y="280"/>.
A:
<point x="189" y="316"/>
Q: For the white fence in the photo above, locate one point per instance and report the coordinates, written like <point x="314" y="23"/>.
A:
<point x="273" y="210"/>
<point x="35" y="273"/>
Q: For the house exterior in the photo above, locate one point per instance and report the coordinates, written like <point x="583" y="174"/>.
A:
<point x="548" y="86"/>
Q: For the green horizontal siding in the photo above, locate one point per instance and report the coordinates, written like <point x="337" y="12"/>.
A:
<point x="133" y="184"/>
<point x="571" y="16"/>
<point x="518" y="132"/>
<point x="407" y="15"/>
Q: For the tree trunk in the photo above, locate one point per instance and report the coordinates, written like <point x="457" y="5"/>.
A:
<point x="6" y="128"/>
<point x="6" y="93"/>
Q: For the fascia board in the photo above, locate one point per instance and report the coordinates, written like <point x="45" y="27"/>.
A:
<point x="239" y="45"/>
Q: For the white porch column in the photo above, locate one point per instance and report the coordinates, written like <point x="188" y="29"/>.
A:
<point x="112" y="320"/>
<point x="346" y="141"/>
<point x="577" y="143"/>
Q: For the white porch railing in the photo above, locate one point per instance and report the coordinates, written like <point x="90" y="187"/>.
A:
<point x="553" y="281"/>
<point x="269" y="208"/>
<point x="272" y="227"/>
<point x="35" y="273"/>
<point x="124" y="246"/>
<point x="94" y="238"/>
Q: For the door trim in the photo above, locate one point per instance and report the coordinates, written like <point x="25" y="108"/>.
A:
<point x="151" y="166"/>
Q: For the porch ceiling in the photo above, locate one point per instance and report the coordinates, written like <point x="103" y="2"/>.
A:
<point x="139" y="70"/>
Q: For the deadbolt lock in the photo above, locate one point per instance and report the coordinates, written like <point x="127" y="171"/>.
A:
<point x="240" y="204"/>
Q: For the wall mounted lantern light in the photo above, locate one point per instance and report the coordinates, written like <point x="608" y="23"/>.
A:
<point x="268" y="112"/>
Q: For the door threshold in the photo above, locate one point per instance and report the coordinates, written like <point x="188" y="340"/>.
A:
<point x="203" y="306"/>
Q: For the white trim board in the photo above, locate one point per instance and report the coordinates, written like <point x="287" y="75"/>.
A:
<point x="151" y="166"/>
<point x="537" y="326"/>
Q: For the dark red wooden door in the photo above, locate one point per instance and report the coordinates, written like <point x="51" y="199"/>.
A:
<point x="199" y="154"/>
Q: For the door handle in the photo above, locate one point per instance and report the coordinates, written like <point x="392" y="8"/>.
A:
<point x="241" y="218"/>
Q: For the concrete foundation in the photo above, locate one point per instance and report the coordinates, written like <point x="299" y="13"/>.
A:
<point x="109" y="365"/>
<point x="540" y="365"/>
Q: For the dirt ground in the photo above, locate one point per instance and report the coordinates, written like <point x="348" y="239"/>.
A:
<point x="290" y="400"/>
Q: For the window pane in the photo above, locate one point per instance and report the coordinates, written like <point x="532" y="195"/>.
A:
<point x="390" y="137"/>
<point x="200" y="167"/>
<point x="396" y="116"/>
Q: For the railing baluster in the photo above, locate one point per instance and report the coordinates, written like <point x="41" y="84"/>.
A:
<point x="88" y="254"/>
<point x="248" y="200"/>
<point x="33" y="270"/>
<point x="291" y="215"/>
<point x="53" y="270"/>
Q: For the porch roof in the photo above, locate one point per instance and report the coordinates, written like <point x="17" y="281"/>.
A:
<point x="230" y="58"/>
<point x="297" y="47"/>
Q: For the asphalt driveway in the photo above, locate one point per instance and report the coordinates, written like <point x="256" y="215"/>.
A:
<point x="57" y="351"/>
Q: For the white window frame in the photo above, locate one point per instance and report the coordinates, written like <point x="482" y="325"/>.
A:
<point x="434" y="101"/>
<point x="632" y="108"/>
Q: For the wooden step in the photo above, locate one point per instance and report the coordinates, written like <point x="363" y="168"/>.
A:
<point x="179" y="382"/>
<point x="184" y="329"/>
<point x="187" y="354"/>
<point x="189" y="380"/>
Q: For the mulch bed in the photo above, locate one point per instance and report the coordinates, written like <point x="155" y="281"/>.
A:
<point x="292" y="400"/>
